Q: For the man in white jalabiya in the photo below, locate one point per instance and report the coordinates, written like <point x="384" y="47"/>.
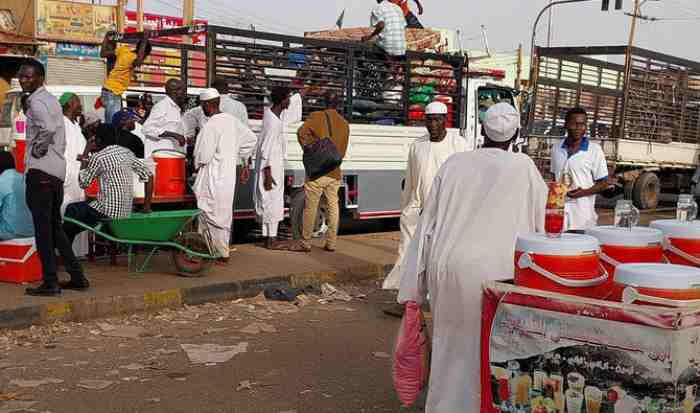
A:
<point x="269" y="162"/>
<point x="222" y="142"/>
<point x="479" y="202"/>
<point x="425" y="157"/>
<point x="163" y="128"/>
<point x="75" y="146"/>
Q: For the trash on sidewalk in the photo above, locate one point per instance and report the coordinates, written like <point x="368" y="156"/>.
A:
<point x="281" y="293"/>
<point x="15" y="395"/>
<point x="35" y="383"/>
<point x="126" y="332"/>
<point x="178" y="376"/>
<point x="245" y="385"/>
<point x="212" y="353"/>
<point x="94" y="384"/>
<point x="14" y="406"/>
<point x="331" y="293"/>
<point x="257" y="328"/>
<point x="302" y="300"/>
<point x="381" y="355"/>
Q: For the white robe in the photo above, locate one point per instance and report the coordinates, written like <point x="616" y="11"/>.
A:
<point x="72" y="192"/>
<point x="271" y="152"/>
<point x="222" y="142"/>
<point x="195" y="118"/>
<point x="479" y="202"/>
<point x="424" y="160"/>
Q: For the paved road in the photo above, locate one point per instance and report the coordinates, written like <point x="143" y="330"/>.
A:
<point x="318" y="358"/>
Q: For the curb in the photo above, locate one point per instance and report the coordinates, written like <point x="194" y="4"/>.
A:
<point x="92" y="308"/>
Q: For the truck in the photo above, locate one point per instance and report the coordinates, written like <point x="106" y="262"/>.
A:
<point x="643" y="107"/>
<point x="381" y="99"/>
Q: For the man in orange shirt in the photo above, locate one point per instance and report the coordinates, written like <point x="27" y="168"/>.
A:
<point x="125" y="60"/>
<point x="411" y="19"/>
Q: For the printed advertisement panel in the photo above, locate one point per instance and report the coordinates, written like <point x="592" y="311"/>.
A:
<point x="160" y="22"/>
<point x="73" y="22"/>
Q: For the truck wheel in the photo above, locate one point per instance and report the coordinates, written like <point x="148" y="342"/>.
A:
<point x="646" y="191"/>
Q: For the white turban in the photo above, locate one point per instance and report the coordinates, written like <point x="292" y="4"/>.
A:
<point x="436" y="108"/>
<point x="209" y="94"/>
<point x="501" y="122"/>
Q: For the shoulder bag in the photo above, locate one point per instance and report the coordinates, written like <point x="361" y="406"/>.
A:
<point x="322" y="156"/>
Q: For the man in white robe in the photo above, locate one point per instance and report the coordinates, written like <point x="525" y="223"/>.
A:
<point x="479" y="202"/>
<point x="163" y="129"/>
<point x="425" y="157"/>
<point x="222" y="142"/>
<point x="195" y="118"/>
<point x="75" y="146"/>
<point x="269" y="162"/>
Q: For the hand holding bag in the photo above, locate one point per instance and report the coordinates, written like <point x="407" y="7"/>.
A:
<point x="322" y="156"/>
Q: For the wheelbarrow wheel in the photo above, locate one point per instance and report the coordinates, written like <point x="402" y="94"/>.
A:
<point x="186" y="264"/>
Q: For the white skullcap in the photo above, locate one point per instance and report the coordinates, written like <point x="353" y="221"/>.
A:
<point x="90" y="118"/>
<point x="436" y="108"/>
<point x="501" y="122"/>
<point x="209" y="94"/>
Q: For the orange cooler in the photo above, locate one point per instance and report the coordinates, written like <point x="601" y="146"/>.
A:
<point x="569" y="264"/>
<point x="681" y="241"/>
<point x="170" y="173"/>
<point x="624" y="246"/>
<point x="658" y="284"/>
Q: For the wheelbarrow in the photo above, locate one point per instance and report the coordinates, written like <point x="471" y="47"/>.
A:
<point x="191" y="252"/>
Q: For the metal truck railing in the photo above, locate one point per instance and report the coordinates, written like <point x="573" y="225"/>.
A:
<point x="660" y="103"/>
<point x="374" y="89"/>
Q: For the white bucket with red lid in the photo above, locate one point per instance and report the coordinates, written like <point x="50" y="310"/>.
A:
<point x="681" y="240"/>
<point x="659" y="284"/>
<point x="569" y="264"/>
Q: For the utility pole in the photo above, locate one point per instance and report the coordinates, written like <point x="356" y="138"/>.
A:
<point x="628" y="59"/>
<point x="549" y="25"/>
<point x="518" y="75"/>
<point x="139" y="15"/>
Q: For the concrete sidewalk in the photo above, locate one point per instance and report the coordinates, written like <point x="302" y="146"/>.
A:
<point x="114" y="291"/>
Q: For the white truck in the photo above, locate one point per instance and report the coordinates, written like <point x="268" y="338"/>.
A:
<point x="645" y="114"/>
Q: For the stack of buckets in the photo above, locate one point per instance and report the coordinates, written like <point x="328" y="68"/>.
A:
<point x="168" y="168"/>
<point x="627" y="264"/>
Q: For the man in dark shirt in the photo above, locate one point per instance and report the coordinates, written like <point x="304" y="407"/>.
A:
<point x="125" y="122"/>
<point x="46" y="171"/>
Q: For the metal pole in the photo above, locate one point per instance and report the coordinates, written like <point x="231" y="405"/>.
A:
<point x="628" y="68"/>
<point x="549" y="25"/>
<point x="139" y="14"/>
<point x="519" y="67"/>
<point x="534" y="30"/>
<point x="187" y="16"/>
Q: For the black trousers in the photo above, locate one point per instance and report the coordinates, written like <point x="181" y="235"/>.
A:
<point x="83" y="212"/>
<point x="412" y="21"/>
<point x="44" y="198"/>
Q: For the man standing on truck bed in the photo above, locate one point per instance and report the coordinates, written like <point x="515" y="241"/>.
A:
<point x="125" y="61"/>
<point x="585" y="163"/>
<point x="389" y="26"/>
<point x="412" y="21"/>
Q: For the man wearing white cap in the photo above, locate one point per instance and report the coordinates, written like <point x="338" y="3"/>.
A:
<point x="223" y="141"/>
<point x="425" y="157"/>
<point x="466" y="235"/>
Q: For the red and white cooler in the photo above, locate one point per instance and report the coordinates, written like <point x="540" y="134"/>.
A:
<point x="658" y="284"/>
<point x="681" y="240"/>
<point x="569" y="264"/>
<point x="624" y="245"/>
<point x="19" y="261"/>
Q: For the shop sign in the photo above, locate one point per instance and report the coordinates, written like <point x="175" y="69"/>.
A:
<point x="74" y="22"/>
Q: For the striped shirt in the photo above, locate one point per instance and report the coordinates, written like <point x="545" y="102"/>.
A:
<point x="114" y="166"/>
<point x="393" y="38"/>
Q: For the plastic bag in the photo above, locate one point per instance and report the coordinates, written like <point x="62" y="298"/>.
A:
<point x="411" y="366"/>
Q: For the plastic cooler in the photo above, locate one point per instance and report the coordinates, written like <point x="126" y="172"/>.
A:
<point x="681" y="240"/>
<point x="624" y="246"/>
<point x="19" y="261"/>
<point x="170" y="173"/>
<point x="569" y="264"/>
<point x="658" y="284"/>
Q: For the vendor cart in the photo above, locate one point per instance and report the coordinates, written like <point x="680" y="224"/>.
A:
<point x="191" y="252"/>
<point x="549" y="352"/>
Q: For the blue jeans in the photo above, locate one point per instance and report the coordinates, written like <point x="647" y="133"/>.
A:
<point x="112" y="104"/>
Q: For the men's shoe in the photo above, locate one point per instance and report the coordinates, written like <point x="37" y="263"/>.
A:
<point x="44" y="290"/>
<point x="329" y="249"/>
<point x="77" y="285"/>
<point x="300" y="247"/>
<point x="396" y="310"/>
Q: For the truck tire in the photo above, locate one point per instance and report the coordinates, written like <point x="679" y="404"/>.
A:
<point x="645" y="193"/>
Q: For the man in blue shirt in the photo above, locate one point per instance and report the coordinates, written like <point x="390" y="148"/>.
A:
<point x="15" y="218"/>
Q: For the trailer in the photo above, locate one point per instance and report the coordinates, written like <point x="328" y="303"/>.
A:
<point x="643" y="106"/>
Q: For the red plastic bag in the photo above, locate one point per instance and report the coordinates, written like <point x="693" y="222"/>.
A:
<point x="411" y="367"/>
